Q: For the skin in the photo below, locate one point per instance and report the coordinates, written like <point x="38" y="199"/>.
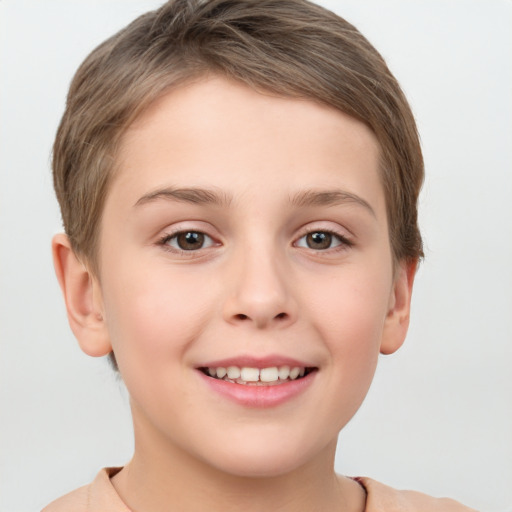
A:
<point x="254" y="289"/>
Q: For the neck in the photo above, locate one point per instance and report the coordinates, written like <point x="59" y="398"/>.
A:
<point x="164" y="478"/>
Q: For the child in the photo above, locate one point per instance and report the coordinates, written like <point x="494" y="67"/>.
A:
<point x="238" y="182"/>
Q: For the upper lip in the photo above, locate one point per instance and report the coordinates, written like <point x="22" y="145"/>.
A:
<point x="248" y="361"/>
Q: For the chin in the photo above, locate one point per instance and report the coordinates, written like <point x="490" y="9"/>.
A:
<point x="259" y="467"/>
<point x="263" y="458"/>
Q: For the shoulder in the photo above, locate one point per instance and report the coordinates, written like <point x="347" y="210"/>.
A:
<point x="381" y="498"/>
<point x="98" y="496"/>
<point x="75" y="501"/>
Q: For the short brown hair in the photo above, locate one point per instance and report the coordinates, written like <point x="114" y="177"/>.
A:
<point x="293" y="48"/>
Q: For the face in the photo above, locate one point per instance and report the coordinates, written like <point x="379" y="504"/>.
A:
<point x="246" y="278"/>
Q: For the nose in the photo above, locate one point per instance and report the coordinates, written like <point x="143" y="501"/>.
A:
<point x="260" y="293"/>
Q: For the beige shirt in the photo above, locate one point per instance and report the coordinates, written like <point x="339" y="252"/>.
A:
<point x="100" y="496"/>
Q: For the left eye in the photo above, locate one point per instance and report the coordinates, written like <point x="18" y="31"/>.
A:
<point x="188" y="241"/>
<point x="320" y="240"/>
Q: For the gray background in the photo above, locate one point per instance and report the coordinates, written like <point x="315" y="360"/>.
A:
<point x="438" y="417"/>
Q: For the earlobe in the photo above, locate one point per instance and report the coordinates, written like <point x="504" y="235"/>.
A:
<point x="82" y="296"/>
<point x="397" y="319"/>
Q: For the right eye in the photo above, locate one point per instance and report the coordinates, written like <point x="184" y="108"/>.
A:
<point x="187" y="240"/>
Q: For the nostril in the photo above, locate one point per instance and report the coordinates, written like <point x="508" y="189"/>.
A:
<point x="244" y="317"/>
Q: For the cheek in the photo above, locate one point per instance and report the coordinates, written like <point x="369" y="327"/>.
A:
<point x="153" y="316"/>
<point x="352" y="308"/>
<point x="350" y="319"/>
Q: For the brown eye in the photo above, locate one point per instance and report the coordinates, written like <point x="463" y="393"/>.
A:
<point x="319" y="240"/>
<point x="322" y="240"/>
<point x="188" y="241"/>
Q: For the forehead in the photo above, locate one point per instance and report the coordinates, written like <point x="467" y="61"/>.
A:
<point x="220" y="132"/>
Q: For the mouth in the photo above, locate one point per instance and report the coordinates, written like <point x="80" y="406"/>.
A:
<point x="252" y="376"/>
<point x="258" y="382"/>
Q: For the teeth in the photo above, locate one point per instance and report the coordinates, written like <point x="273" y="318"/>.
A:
<point x="269" y="374"/>
<point x="233" y="372"/>
<point x="243" y="375"/>
<point x="250" y="374"/>
<point x="294" y="373"/>
<point x="284" y="372"/>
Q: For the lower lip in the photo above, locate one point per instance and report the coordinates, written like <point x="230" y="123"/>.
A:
<point x="259" y="396"/>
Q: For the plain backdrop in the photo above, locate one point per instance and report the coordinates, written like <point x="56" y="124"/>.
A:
<point x="439" y="415"/>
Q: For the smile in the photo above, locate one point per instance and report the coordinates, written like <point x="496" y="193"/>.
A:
<point x="250" y="376"/>
<point x="258" y="382"/>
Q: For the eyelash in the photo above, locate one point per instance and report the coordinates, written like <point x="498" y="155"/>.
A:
<point x="343" y="242"/>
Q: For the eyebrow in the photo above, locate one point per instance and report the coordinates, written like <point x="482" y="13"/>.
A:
<point x="302" y="199"/>
<point x="187" y="195"/>
<point x="328" y="198"/>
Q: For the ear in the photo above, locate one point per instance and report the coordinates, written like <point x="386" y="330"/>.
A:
<point x="397" y="319"/>
<point x="82" y="295"/>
